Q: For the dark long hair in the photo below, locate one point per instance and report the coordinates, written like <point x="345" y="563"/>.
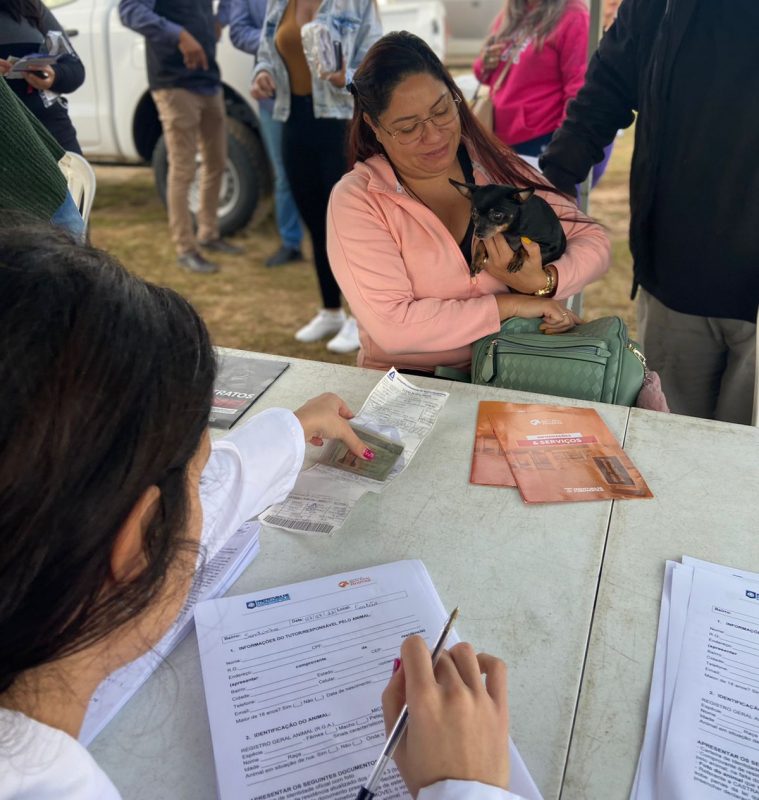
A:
<point x="23" y="9"/>
<point x="525" y="19"/>
<point x="391" y="60"/>
<point x="105" y="390"/>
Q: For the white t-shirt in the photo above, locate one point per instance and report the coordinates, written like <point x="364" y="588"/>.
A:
<point x="38" y="762"/>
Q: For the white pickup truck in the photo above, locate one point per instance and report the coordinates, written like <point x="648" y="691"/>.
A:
<point x="116" y="120"/>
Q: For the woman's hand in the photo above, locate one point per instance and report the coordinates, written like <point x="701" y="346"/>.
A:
<point x="491" y="53"/>
<point x="337" y="79"/>
<point x="457" y="726"/>
<point x="38" y="82"/>
<point x="326" y="417"/>
<point x="263" y="86"/>
<point x="556" y="318"/>
<point x="529" y="279"/>
<point x="5" y="66"/>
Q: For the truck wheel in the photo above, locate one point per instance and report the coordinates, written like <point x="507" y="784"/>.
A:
<point x="245" y="177"/>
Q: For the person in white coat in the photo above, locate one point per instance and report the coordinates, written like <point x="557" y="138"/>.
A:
<point x="107" y="478"/>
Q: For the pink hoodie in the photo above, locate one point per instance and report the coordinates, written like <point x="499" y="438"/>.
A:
<point x="406" y="278"/>
<point x="532" y="100"/>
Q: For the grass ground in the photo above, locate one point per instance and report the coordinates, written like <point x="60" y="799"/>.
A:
<point x="251" y="307"/>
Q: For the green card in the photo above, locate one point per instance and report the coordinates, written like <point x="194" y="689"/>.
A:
<point x="386" y="453"/>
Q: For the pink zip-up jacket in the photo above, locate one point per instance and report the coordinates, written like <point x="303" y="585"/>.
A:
<point x="408" y="282"/>
<point x="533" y="98"/>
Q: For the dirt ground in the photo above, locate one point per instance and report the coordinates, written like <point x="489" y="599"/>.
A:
<point x="251" y="307"/>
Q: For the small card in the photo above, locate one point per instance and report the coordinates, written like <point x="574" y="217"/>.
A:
<point x="386" y="453"/>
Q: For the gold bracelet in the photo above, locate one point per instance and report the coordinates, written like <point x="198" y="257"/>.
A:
<point x="550" y="286"/>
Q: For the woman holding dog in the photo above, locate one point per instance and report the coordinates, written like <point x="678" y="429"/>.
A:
<point x="400" y="236"/>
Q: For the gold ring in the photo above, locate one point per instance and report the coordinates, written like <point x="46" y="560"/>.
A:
<point x="565" y="314"/>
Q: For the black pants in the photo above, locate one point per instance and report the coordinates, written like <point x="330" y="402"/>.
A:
<point x="313" y="151"/>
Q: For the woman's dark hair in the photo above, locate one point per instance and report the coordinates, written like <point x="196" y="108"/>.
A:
<point x="105" y="390"/>
<point x="527" y="19"/>
<point x="19" y="10"/>
<point x="391" y="60"/>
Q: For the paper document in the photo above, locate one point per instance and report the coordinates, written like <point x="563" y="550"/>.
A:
<point x="553" y="454"/>
<point x="213" y="579"/>
<point x="294" y="675"/>
<point x="239" y="383"/>
<point x="323" y="496"/>
<point x="702" y="728"/>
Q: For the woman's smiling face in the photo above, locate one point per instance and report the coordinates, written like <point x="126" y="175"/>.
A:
<point x="416" y="98"/>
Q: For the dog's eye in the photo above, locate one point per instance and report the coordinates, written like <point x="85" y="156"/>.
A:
<point x="496" y="216"/>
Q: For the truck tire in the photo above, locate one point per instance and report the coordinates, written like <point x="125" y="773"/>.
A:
<point x="245" y="177"/>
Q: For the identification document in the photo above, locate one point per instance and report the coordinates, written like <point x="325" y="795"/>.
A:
<point x="386" y="453"/>
<point x="239" y="383"/>
<point x="397" y="412"/>
<point x="294" y="676"/>
<point x="555" y="454"/>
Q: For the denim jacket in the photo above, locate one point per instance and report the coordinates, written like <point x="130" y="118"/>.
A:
<point x="354" y="23"/>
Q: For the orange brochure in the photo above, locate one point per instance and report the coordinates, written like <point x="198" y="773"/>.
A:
<point x="490" y="467"/>
<point x="556" y="454"/>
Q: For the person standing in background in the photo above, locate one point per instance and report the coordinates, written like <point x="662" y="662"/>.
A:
<point x="535" y="57"/>
<point x="245" y="24"/>
<point x="694" y="183"/>
<point x="315" y="107"/>
<point x="24" y="25"/>
<point x="185" y="82"/>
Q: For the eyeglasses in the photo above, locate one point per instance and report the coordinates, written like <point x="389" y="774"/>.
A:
<point x="446" y="115"/>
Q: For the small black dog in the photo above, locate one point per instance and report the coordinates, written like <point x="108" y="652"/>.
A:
<point x="514" y="213"/>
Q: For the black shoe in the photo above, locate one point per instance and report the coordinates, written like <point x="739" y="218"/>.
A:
<point x="222" y="246"/>
<point x="194" y="262"/>
<point x="285" y="255"/>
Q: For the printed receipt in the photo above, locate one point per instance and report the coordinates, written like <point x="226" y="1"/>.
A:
<point x="293" y="679"/>
<point x="323" y="496"/>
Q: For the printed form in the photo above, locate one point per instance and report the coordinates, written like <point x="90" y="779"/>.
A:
<point x="293" y="679"/>
<point x="702" y="729"/>
<point x="323" y="496"/>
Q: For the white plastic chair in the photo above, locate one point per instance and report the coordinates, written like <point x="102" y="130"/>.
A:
<point x="81" y="181"/>
<point x="755" y="420"/>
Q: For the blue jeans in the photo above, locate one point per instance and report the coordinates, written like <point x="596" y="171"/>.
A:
<point x="288" y="220"/>
<point x="68" y="217"/>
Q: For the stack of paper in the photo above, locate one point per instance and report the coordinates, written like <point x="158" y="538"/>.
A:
<point x="224" y="567"/>
<point x="702" y="729"/>
<point x="294" y="676"/>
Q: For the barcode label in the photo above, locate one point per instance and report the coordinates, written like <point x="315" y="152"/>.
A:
<point x="299" y="524"/>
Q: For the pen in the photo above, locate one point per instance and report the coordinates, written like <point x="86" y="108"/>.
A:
<point x="366" y="792"/>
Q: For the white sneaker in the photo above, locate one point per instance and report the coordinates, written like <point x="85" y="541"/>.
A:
<point x="326" y="323"/>
<point x="346" y="340"/>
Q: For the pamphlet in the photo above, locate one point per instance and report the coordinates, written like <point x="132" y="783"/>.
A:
<point x="34" y="62"/>
<point x="239" y="383"/>
<point x="555" y="454"/>
<point x="294" y="675"/>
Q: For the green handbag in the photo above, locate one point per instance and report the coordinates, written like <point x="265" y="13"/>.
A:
<point x="593" y="361"/>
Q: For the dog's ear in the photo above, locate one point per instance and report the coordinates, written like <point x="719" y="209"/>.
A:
<point x="523" y="195"/>
<point x="465" y="188"/>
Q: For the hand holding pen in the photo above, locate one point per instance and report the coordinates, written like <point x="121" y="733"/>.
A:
<point x="457" y="725"/>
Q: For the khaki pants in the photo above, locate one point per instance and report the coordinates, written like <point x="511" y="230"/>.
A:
<point x="190" y="121"/>
<point x="706" y="364"/>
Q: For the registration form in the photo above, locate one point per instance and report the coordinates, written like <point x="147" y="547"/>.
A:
<point x="702" y="729"/>
<point x="294" y="675"/>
